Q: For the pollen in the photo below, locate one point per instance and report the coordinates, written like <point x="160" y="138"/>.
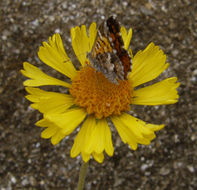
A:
<point x="94" y="92"/>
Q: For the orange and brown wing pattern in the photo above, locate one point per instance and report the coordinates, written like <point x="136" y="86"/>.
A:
<point x="101" y="44"/>
<point x="108" y="54"/>
<point x="118" y="45"/>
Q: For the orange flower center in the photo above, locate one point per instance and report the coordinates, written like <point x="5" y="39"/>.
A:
<point x="94" y="92"/>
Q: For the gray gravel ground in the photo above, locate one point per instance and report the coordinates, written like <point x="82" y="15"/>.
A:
<point x="29" y="162"/>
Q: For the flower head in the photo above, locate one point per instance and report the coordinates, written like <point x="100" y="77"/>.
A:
<point x="92" y="100"/>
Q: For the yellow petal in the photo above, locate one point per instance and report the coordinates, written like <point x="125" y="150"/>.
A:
<point x="77" y="44"/>
<point x="155" y="127"/>
<point x="49" y="102"/>
<point x="126" y="36"/>
<point x="92" y="35"/>
<point x="96" y="139"/>
<point x="85" y="157"/>
<point x="54" y="55"/>
<point x="85" y="40"/>
<point x="44" y="123"/>
<point x="130" y="53"/>
<point x="124" y="132"/>
<point x="52" y="131"/>
<point x="92" y="139"/>
<point x="60" y="125"/>
<point x="139" y="127"/>
<point x="49" y="132"/>
<point x="147" y="65"/>
<point x="163" y="92"/>
<point x="104" y="139"/>
<point x="68" y="120"/>
<point x="100" y="138"/>
<point x="98" y="157"/>
<point x="133" y="130"/>
<point x="57" y="137"/>
<point x="82" y="44"/>
<point x="82" y="142"/>
<point x="38" y="78"/>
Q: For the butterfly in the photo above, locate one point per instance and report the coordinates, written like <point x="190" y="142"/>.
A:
<point x="108" y="54"/>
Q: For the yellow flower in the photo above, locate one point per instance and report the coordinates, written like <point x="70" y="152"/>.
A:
<point x="93" y="101"/>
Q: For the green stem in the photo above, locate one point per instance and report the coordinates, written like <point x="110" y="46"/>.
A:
<point x="82" y="175"/>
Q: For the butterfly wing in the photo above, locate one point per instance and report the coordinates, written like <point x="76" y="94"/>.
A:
<point x="108" y="54"/>
<point x="118" y="45"/>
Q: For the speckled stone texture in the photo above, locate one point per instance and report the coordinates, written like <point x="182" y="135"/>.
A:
<point x="29" y="162"/>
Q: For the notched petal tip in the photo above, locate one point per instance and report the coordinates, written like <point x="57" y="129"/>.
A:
<point x="160" y="93"/>
<point x="98" y="157"/>
<point x="81" y="42"/>
<point x="126" y="36"/>
<point x="156" y="127"/>
<point x="134" y="131"/>
<point x="147" y="65"/>
<point x="39" y="78"/>
<point x="54" y="55"/>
